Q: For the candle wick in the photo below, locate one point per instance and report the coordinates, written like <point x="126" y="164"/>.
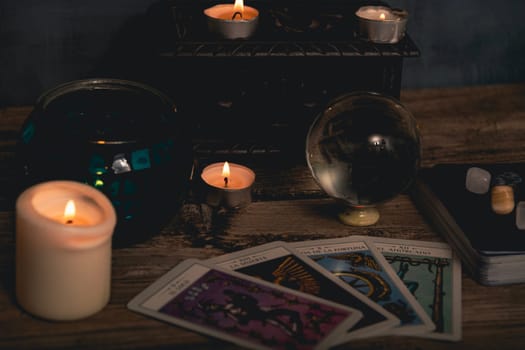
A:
<point x="69" y="221"/>
<point x="237" y="13"/>
<point x="226" y="181"/>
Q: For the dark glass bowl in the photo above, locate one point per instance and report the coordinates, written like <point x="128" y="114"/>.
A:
<point x="122" y="137"/>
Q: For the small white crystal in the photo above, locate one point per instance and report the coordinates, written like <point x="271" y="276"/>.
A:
<point x="477" y="180"/>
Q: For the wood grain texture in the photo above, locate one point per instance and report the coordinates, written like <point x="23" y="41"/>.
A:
<point x="475" y="124"/>
<point x="469" y="124"/>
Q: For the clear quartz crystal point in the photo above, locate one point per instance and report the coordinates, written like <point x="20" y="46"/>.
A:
<point x="477" y="180"/>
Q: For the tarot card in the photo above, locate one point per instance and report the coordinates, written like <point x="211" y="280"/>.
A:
<point x="359" y="264"/>
<point x="279" y="263"/>
<point x="432" y="273"/>
<point x="242" y="309"/>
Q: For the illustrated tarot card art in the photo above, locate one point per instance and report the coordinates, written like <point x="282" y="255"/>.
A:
<point x="242" y="309"/>
<point x="279" y="263"/>
<point x="432" y="273"/>
<point x="359" y="264"/>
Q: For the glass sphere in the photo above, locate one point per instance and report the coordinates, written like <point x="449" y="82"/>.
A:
<point x="363" y="149"/>
<point x="122" y="137"/>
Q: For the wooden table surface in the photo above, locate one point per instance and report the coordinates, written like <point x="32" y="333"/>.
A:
<point x="468" y="124"/>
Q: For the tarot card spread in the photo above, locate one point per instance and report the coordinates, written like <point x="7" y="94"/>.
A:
<point x="281" y="264"/>
<point x="242" y="309"/>
<point x="359" y="264"/>
<point x="432" y="273"/>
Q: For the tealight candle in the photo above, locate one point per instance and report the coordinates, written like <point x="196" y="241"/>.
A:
<point x="232" y="21"/>
<point x="381" y="24"/>
<point x="227" y="184"/>
<point x="63" y="250"/>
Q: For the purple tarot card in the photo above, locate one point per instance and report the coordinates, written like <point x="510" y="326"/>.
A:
<point x="243" y="309"/>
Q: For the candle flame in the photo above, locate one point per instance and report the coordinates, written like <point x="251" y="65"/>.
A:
<point x="382" y="16"/>
<point x="238" y="8"/>
<point x="226" y="169"/>
<point x="69" y="211"/>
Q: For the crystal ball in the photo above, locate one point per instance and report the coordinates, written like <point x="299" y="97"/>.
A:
<point x="122" y="137"/>
<point x="363" y="148"/>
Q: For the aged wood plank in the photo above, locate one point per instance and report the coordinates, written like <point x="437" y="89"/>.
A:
<point x="470" y="124"/>
<point x="306" y="219"/>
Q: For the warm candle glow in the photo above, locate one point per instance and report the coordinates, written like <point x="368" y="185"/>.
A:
<point x="63" y="249"/>
<point x="381" y="24"/>
<point x="233" y="20"/>
<point x="226" y="169"/>
<point x="227" y="184"/>
<point x="226" y="173"/>
<point x="238" y="7"/>
<point x="69" y="211"/>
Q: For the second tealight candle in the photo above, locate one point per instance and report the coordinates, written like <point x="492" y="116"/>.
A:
<point x="227" y="184"/>
<point x="232" y="21"/>
<point x="380" y="24"/>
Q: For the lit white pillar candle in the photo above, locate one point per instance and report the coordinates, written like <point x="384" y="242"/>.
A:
<point x="228" y="184"/>
<point x="63" y="256"/>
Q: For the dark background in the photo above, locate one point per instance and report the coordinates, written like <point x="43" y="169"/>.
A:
<point x="47" y="42"/>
